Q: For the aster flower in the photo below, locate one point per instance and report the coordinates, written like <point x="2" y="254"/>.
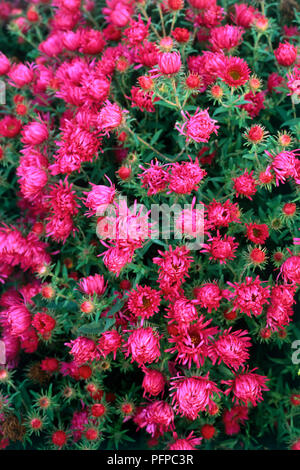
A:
<point x="169" y="63"/>
<point x="92" y="285"/>
<point x="173" y="266"/>
<point x="182" y="311"/>
<point x="220" y="249"/>
<point x="249" y="296"/>
<point x="286" y="54"/>
<point x="255" y="103"/>
<point x="44" y="324"/>
<point x="110" y="117"/>
<point x="143" y="346"/>
<point x="143" y="302"/>
<point x="110" y="341"/>
<point x="185" y="177"/>
<point x="157" y="418"/>
<point x="231" y="348"/>
<point x="233" y="418"/>
<point x="198" y="127"/>
<point x="247" y="387"/>
<point x="153" y="382"/>
<point x="257" y="233"/>
<point x="155" y="178"/>
<point x="235" y="72"/>
<point x="99" y="198"/>
<point x="191" y="395"/>
<point x="226" y="37"/>
<point x="222" y="214"/>
<point x="284" y="165"/>
<point x="208" y="296"/>
<point x="83" y="350"/>
<point x="192" y="344"/>
<point x="290" y="269"/>
<point x="245" y="185"/>
<point x="186" y="443"/>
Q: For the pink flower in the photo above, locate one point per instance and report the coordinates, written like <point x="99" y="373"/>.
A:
<point x="290" y="269"/>
<point x="21" y="75"/>
<point x="247" y="387"/>
<point x="4" y="64"/>
<point x="110" y="117"/>
<point x="183" y="312"/>
<point x="143" y="346"/>
<point x="250" y="297"/>
<point x="284" y="165"/>
<point x="233" y="418"/>
<point x="110" y="341"/>
<point x="155" y="178"/>
<point x="198" y="127"/>
<point x="231" y="348"/>
<point x="143" y="302"/>
<point x="185" y="177"/>
<point x="286" y="54"/>
<point x="34" y="133"/>
<point x="235" y="72"/>
<point x="226" y="37"/>
<point x="153" y="382"/>
<point x="169" y="63"/>
<point x="99" y="198"/>
<point x="92" y="285"/>
<point x="245" y="185"/>
<point x="187" y="443"/>
<point x="209" y="296"/>
<point x="157" y="418"/>
<point x="17" y="318"/>
<point x="244" y="15"/>
<point x="222" y="214"/>
<point x="83" y="350"/>
<point x="220" y="249"/>
<point x="192" y="395"/>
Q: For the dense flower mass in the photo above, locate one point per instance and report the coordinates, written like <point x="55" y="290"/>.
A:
<point x="149" y="225"/>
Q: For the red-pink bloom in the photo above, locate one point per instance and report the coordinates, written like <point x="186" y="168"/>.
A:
<point x="62" y="199"/>
<point x="182" y="311"/>
<point x="222" y="214"/>
<point x="233" y="418"/>
<point x="143" y="302"/>
<point x="110" y="341"/>
<point x="91" y="41"/>
<point x="44" y="324"/>
<point x="249" y="296"/>
<point x="92" y="285"/>
<point x="4" y="64"/>
<point x="284" y="165"/>
<point x="10" y="126"/>
<point x="290" y="269"/>
<point x="143" y="346"/>
<point x="116" y="258"/>
<point x="110" y="117"/>
<point x="157" y="418"/>
<point x="274" y="80"/>
<point x="209" y="18"/>
<point x="209" y="296"/>
<point x="21" y="75"/>
<point x="247" y="387"/>
<point x="293" y="82"/>
<point x="257" y="233"/>
<point x="231" y="348"/>
<point x="220" y="249"/>
<point x="142" y="99"/>
<point x="34" y="133"/>
<point x="255" y="103"/>
<point x="245" y="185"/>
<point x="169" y="63"/>
<point x="185" y="177"/>
<point x="83" y="350"/>
<point x="136" y="32"/>
<point x="235" y="72"/>
<point x="202" y="4"/>
<point x="187" y="443"/>
<point x="198" y="127"/>
<point x="192" y="395"/>
<point x="17" y="318"/>
<point x="153" y="382"/>
<point x="155" y="178"/>
<point x="226" y="37"/>
<point x="286" y="54"/>
<point x="99" y="198"/>
<point x="59" y="227"/>
<point x="192" y="344"/>
<point x="244" y="15"/>
<point x="190" y="222"/>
